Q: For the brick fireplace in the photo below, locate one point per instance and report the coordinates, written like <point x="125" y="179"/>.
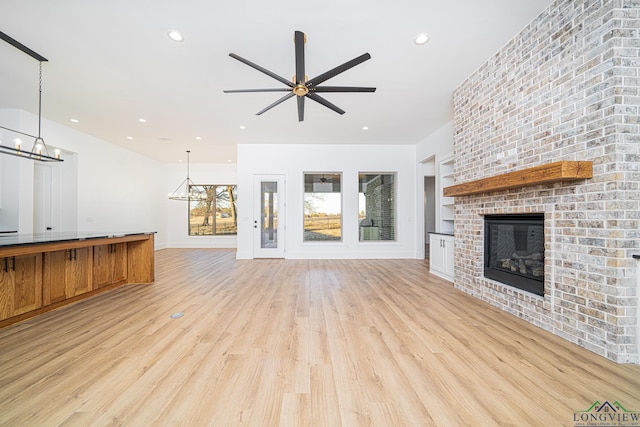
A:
<point x="565" y="88"/>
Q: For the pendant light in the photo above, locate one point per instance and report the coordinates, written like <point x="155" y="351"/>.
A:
<point x="39" y="150"/>
<point x="187" y="190"/>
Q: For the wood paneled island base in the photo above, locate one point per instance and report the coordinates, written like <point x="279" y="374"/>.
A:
<point x="42" y="273"/>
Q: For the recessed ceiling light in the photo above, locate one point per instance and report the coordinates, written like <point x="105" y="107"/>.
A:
<point x="422" y="38"/>
<point x="142" y="120"/>
<point x="74" y="120"/>
<point x="229" y="161"/>
<point x="198" y="138"/>
<point x="243" y="127"/>
<point x="175" y="36"/>
<point x="129" y="137"/>
<point x="365" y="127"/>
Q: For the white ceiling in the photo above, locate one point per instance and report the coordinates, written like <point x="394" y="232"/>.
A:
<point x="111" y="63"/>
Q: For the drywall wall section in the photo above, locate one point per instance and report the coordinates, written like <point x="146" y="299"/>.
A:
<point x="117" y="189"/>
<point x="293" y="160"/>
<point x="178" y="211"/>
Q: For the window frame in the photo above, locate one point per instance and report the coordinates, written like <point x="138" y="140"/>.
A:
<point x="201" y="187"/>
<point x="338" y="174"/>
<point x="394" y="197"/>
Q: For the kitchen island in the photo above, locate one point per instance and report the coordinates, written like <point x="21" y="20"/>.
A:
<point x="41" y="272"/>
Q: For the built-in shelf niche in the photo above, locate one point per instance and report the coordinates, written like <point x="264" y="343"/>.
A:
<point x="446" y="205"/>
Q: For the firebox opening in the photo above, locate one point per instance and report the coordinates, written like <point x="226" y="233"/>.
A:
<point x="514" y="251"/>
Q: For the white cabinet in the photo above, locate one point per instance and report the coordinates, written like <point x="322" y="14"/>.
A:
<point x="441" y="243"/>
<point x="441" y="255"/>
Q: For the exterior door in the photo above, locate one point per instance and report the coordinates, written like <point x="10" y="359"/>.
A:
<point x="268" y="220"/>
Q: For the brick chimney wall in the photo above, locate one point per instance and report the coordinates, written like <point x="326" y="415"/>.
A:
<point x="566" y="88"/>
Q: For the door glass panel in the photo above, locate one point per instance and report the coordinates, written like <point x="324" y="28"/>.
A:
<point x="269" y="214"/>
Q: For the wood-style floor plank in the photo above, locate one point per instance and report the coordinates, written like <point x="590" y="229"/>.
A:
<point x="295" y="343"/>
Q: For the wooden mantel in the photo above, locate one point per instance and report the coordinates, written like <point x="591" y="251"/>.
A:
<point x="543" y="174"/>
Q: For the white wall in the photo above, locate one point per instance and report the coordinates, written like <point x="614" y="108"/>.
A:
<point x="436" y="146"/>
<point x="117" y="190"/>
<point x="439" y="143"/>
<point x="178" y="211"/>
<point x="12" y="171"/>
<point x="293" y="160"/>
<point x="9" y="195"/>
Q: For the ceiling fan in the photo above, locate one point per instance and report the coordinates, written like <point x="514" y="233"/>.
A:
<point x="301" y="87"/>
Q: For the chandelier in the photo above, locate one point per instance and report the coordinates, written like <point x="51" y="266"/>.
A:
<point x="187" y="190"/>
<point x="39" y="150"/>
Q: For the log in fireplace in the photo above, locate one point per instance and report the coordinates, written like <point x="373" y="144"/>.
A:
<point x="514" y="251"/>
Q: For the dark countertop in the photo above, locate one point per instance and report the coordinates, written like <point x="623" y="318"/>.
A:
<point x="441" y="234"/>
<point x="51" y="237"/>
<point x="636" y="256"/>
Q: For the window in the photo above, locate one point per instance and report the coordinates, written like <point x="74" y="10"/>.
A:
<point x="376" y="206"/>
<point x="215" y="215"/>
<point x="322" y="207"/>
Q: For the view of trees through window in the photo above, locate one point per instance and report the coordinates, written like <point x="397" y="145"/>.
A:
<point x="217" y="214"/>
<point x="322" y="207"/>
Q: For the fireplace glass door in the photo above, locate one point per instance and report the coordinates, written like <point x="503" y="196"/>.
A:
<point x="514" y="251"/>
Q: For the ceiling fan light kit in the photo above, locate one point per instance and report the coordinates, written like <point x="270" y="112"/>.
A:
<point x="300" y="86"/>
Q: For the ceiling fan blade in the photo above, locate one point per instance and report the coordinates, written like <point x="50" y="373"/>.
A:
<point x="261" y="69"/>
<point x="342" y="89"/>
<point x="284" y="89"/>
<point x="321" y="100"/>
<point x="279" y="101"/>
<point x="339" y="69"/>
<point x="301" y="108"/>
<point x="299" y="43"/>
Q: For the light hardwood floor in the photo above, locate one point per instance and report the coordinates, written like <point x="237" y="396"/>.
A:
<point x="295" y="343"/>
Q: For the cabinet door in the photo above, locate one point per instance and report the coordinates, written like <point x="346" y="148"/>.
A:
<point x="119" y="257"/>
<point x="448" y="256"/>
<point x="101" y="266"/>
<point x="66" y="274"/>
<point x="6" y="288"/>
<point x="21" y="285"/>
<point x="54" y="287"/>
<point x="28" y="283"/>
<point x="436" y="253"/>
<point x="78" y="272"/>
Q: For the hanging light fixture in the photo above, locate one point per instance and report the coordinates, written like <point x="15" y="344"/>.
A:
<point x="39" y="150"/>
<point x="187" y="190"/>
